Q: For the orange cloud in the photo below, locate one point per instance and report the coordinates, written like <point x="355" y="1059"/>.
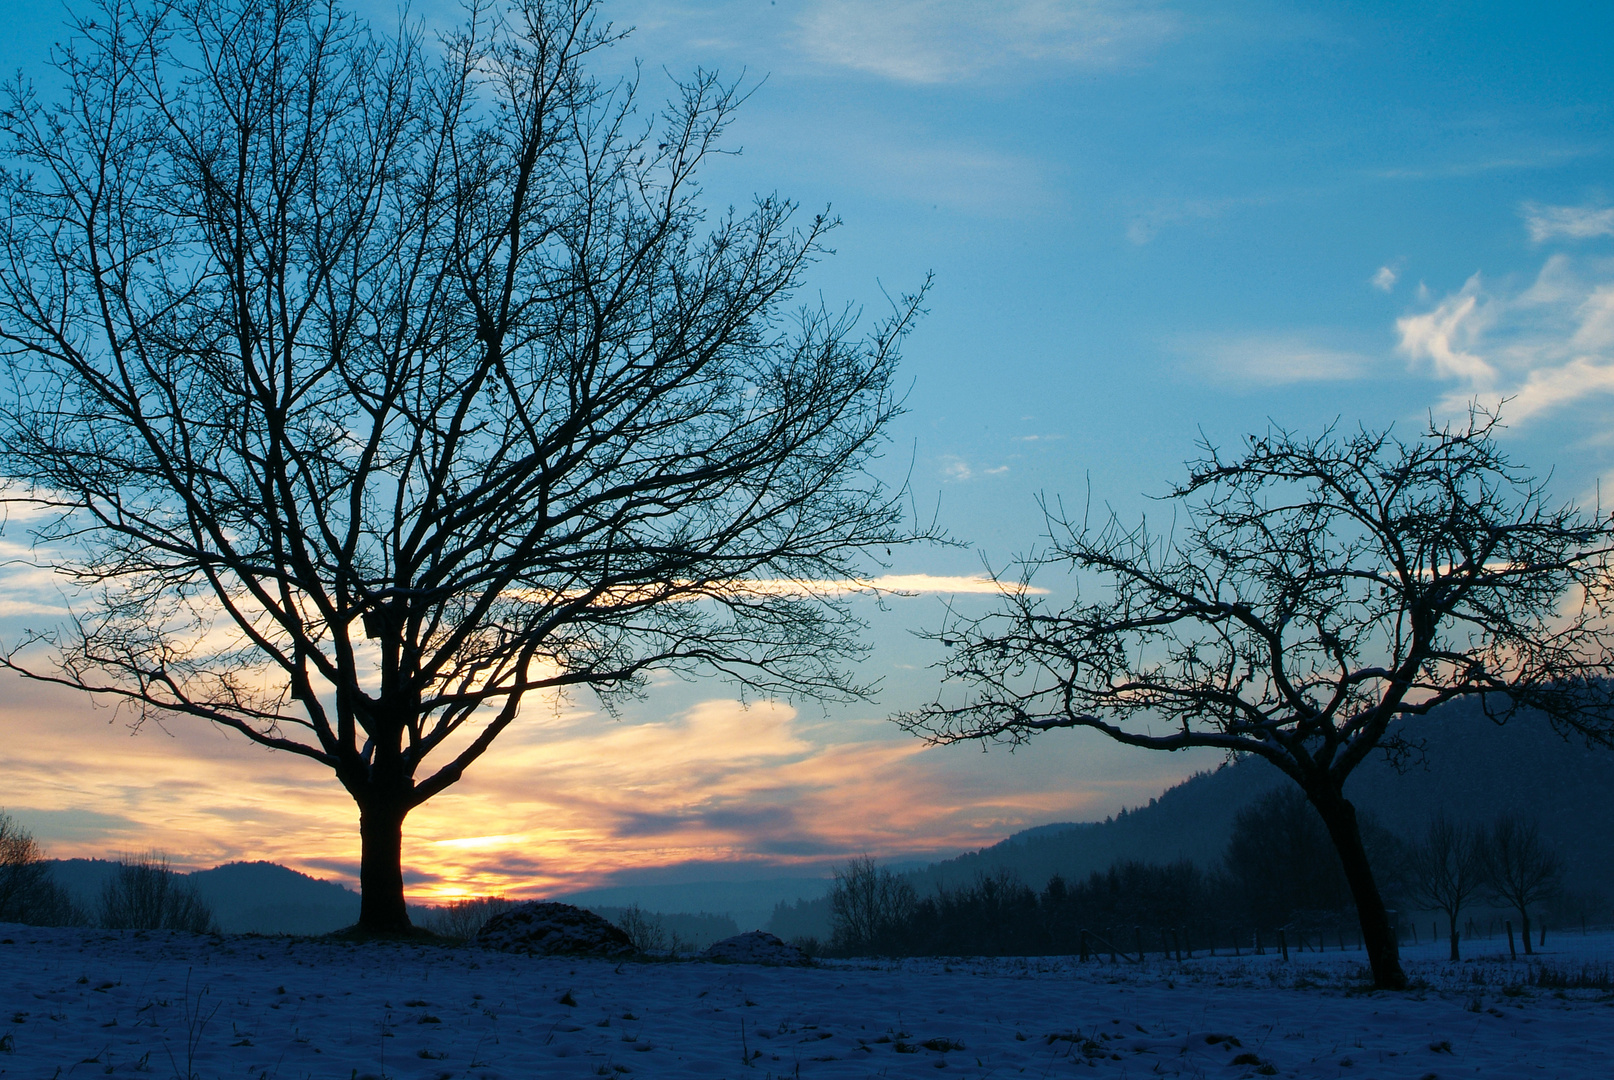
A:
<point x="567" y="799"/>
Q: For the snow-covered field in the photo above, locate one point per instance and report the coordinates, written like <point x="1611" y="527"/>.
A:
<point x="77" y="1003"/>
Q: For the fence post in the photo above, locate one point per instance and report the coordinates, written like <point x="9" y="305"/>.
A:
<point x="1084" y="946"/>
<point x="1258" y="950"/>
<point x="1283" y="943"/>
<point x="1511" y="950"/>
<point x="1543" y="940"/>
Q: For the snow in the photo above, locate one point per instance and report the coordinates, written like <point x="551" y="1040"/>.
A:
<point x="80" y="1003"/>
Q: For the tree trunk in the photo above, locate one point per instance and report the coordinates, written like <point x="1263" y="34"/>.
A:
<point x="381" y="896"/>
<point x="1524" y="922"/>
<point x="1378" y="937"/>
<point x="1454" y="940"/>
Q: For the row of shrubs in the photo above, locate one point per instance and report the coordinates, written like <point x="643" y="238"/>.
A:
<point x="143" y="894"/>
<point x="1279" y="873"/>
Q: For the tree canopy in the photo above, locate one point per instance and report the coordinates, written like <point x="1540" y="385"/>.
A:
<point x="361" y="386"/>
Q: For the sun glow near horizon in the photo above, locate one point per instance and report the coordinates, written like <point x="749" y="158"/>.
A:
<point x="575" y="799"/>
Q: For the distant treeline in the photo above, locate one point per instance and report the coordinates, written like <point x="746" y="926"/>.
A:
<point x="143" y="892"/>
<point x="1278" y="874"/>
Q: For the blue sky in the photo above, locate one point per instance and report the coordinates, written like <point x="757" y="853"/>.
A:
<point x="1148" y="223"/>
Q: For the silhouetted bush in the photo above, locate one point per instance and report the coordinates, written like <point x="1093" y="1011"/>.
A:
<point x="645" y="931"/>
<point x="668" y="932"/>
<point x="28" y="893"/>
<point x="145" y="894"/>
<point x="461" y="920"/>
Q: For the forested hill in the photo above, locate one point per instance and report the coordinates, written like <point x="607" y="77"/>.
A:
<point x="1470" y="767"/>
<point x="1189" y="821"/>
<point x="247" y="897"/>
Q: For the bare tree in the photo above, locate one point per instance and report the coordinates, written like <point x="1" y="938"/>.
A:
<point x="28" y="892"/>
<point x="362" y="388"/>
<point x="1446" y="870"/>
<point x="645" y="929"/>
<point x="1519" y="869"/>
<point x="146" y="894"/>
<point x="868" y="904"/>
<point x="1318" y="596"/>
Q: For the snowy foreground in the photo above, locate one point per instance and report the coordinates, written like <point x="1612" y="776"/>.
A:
<point x="88" y="1003"/>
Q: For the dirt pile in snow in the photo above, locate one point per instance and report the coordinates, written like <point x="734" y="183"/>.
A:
<point x="757" y="947"/>
<point x="546" y="928"/>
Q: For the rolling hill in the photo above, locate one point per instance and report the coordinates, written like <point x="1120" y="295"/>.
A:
<point x="1470" y="767"/>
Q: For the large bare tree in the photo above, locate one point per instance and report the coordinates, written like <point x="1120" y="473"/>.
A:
<point x="362" y="386"/>
<point x="1315" y="597"/>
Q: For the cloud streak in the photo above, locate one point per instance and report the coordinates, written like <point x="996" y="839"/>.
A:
<point x="948" y="41"/>
<point x="1271" y="359"/>
<point x="1567" y="222"/>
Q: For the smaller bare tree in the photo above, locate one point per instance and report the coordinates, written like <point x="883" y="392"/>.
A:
<point x="146" y="894"/>
<point x="1447" y="869"/>
<point x="645" y="929"/>
<point x="28" y="893"/>
<point x="1520" y="870"/>
<point x="866" y="905"/>
<point x="1314" y="599"/>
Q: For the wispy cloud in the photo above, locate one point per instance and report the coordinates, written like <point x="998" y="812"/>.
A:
<point x="1447" y="336"/>
<point x="26" y="586"/>
<point x="957" y="175"/>
<point x="958" y="470"/>
<point x="1539" y="157"/>
<point x="1543" y="346"/>
<point x="1154" y="218"/>
<point x="1567" y="222"/>
<point x="941" y="41"/>
<point x="1385" y="279"/>
<point x="567" y="799"/>
<point x="1271" y="359"/>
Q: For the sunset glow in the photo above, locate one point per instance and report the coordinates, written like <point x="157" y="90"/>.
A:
<point x="1152" y="228"/>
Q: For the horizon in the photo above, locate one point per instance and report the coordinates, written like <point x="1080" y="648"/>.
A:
<point x="1149" y="225"/>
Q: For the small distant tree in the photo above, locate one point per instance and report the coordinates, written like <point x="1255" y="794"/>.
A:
<point x="1520" y="870"/>
<point x="869" y="905"/>
<point x="1315" y="597"/>
<point x="145" y="894"/>
<point x="1446" y="869"/>
<point x="28" y="893"/>
<point x="647" y="932"/>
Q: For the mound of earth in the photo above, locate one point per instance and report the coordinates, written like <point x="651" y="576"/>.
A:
<point x="546" y="928"/>
<point x="756" y="947"/>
